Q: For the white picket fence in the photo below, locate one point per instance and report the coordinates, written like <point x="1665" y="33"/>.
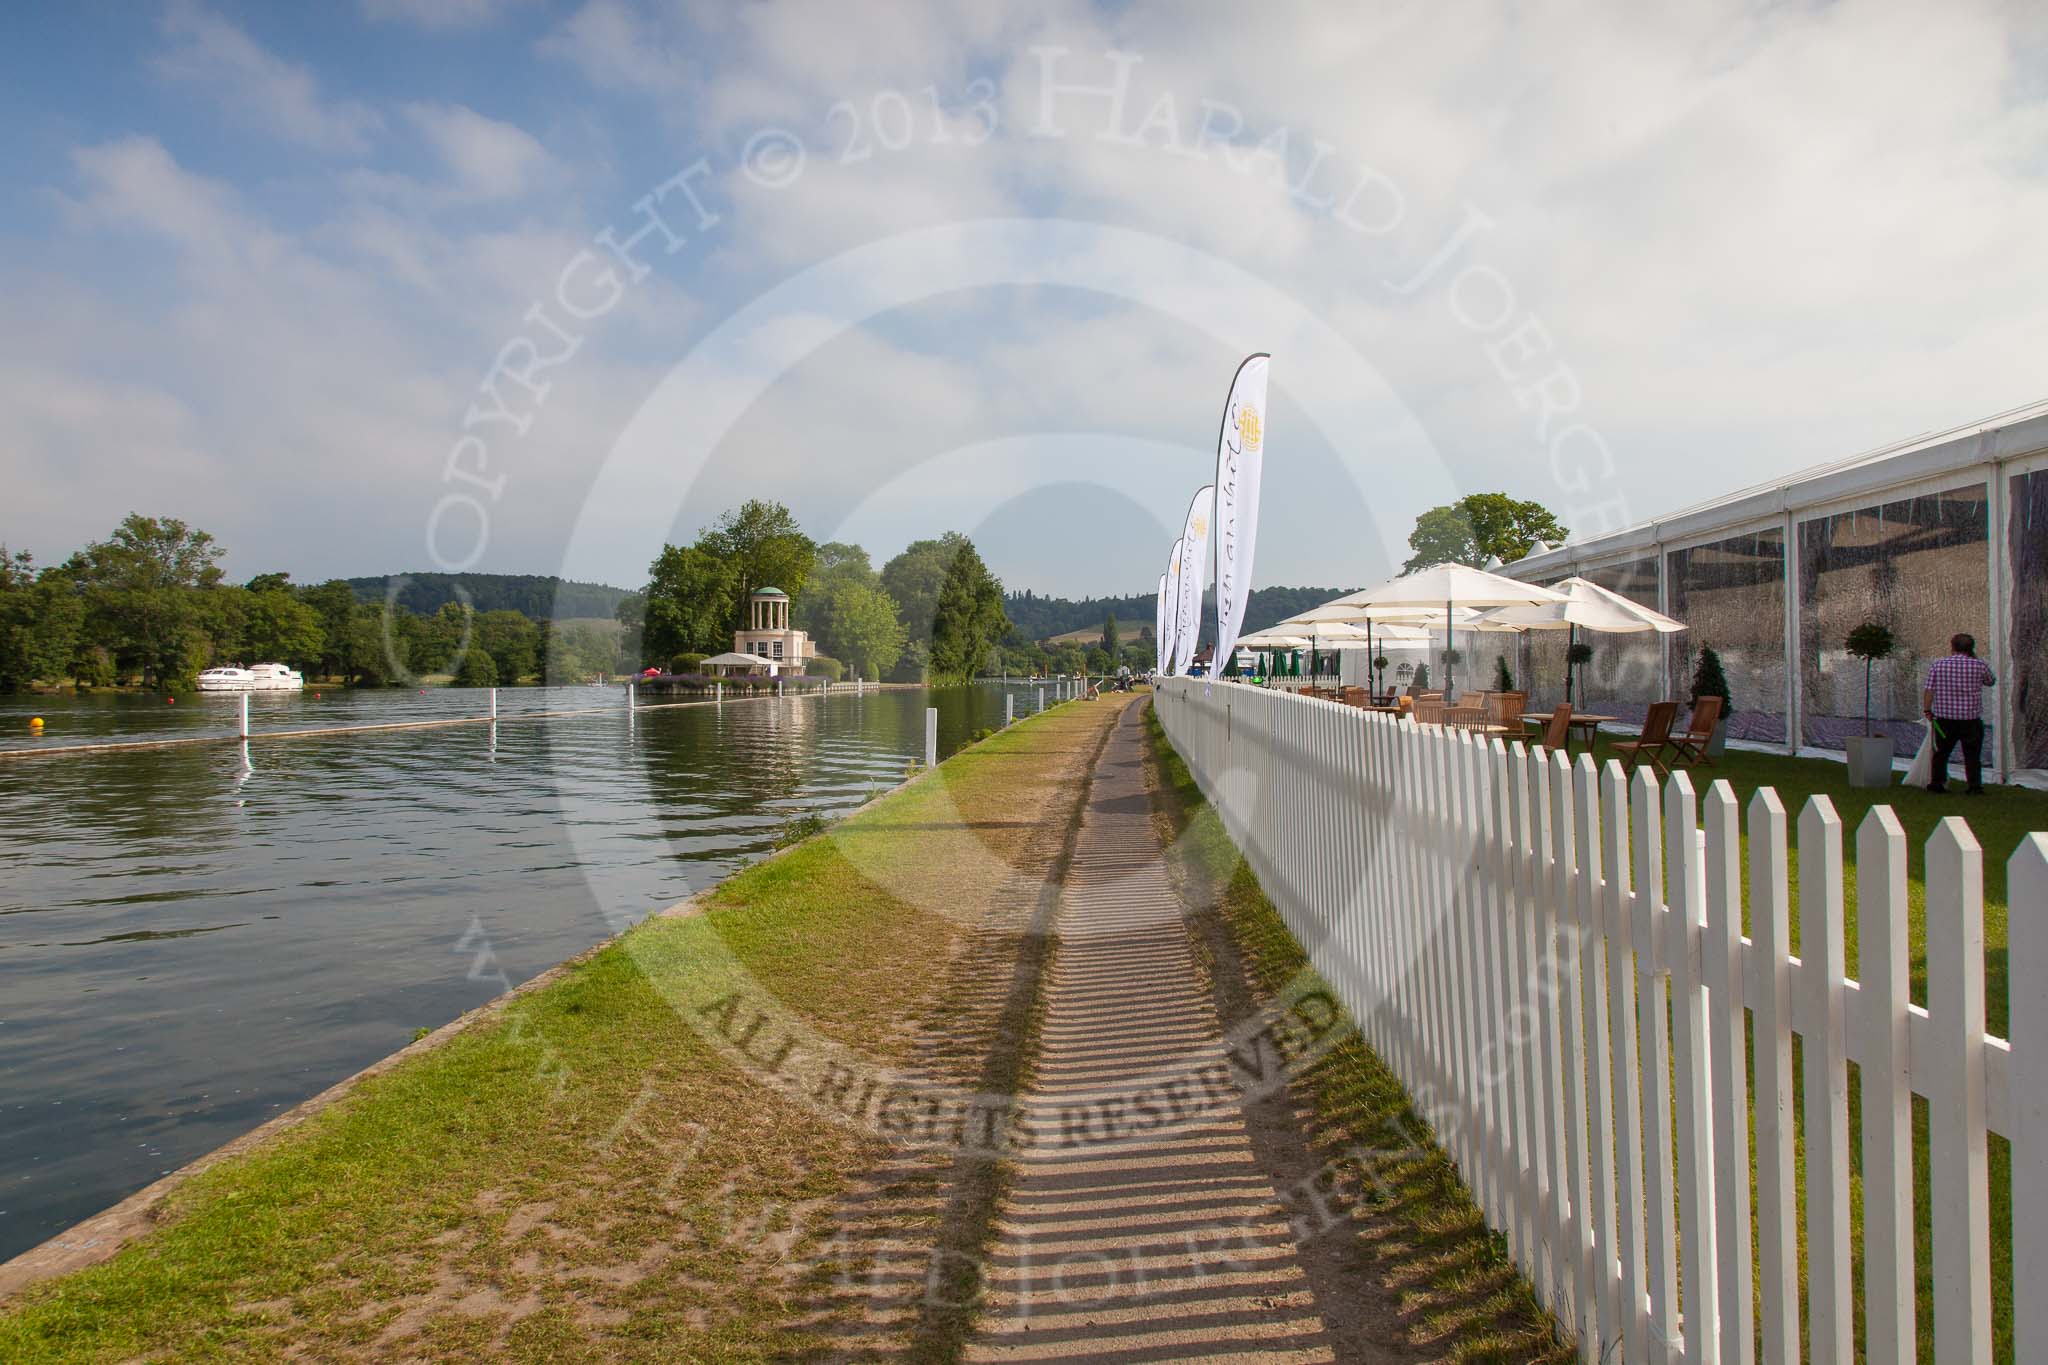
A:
<point x="1551" y="958"/>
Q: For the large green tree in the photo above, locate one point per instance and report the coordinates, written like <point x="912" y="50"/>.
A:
<point x="764" y="547"/>
<point x="1477" y="527"/>
<point x="849" y="615"/>
<point x="41" y="616"/>
<point x="283" y="628"/>
<point x="382" y="646"/>
<point x="334" y="603"/>
<point x="917" y="576"/>
<point x="140" y="585"/>
<point x="688" y="606"/>
<point x="512" y="641"/>
<point x="968" y="620"/>
<point x="856" y="624"/>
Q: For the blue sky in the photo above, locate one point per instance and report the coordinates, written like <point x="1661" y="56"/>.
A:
<point x="271" y="267"/>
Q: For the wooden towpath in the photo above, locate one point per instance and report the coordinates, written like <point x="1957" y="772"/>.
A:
<point x="1133" y="1232"/>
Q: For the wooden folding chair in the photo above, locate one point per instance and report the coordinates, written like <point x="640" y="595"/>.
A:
<point x="1656" y="737"/>
<point x="1690" y="748"/>
<point x="1429" y="709"/>
<point x="1557" y="731"/>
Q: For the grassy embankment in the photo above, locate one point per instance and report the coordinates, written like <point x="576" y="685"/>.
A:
<point x="1460" y="1297"/>
<point x="583" y="1176"/>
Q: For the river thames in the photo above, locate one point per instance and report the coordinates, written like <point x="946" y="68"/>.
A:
<point x="192" y="941"/>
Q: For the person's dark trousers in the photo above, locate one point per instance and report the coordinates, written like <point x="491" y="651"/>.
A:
<point x="1948" y="734"/>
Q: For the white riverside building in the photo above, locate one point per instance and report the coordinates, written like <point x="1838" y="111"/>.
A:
<point x="1934" y="535"/>
<point x="768" y="636"/>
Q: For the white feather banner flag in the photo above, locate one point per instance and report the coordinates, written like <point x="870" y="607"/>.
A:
<point x="1194" y="563"/>
<point x="1172" y="609"/>
<point x="1159" y="630"/>
<point x="1240" y="459"/>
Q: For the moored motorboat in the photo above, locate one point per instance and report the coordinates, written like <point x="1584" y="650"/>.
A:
<point x="261" y="678"/>
<point x="227" y="680"/>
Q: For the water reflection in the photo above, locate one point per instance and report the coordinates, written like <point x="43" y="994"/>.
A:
<point x="146" y="1021"/>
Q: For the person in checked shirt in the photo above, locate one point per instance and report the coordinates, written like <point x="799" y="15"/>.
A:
<point x="1954" y="705"/>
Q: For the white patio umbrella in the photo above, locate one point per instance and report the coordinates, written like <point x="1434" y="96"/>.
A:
<point x="1329" y="636"/>
<point x="1585" y="605"/>
<point x="1328" y="633"/>
<point x="1410" y="633"/>
<point x="1273" y="640"/>
<point x="1375" y="639"/>
<point x="1450" y="584"/>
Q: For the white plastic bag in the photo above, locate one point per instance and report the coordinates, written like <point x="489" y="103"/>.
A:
<point x="1922" y="771"/>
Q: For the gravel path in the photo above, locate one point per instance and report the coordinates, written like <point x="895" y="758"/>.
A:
<point x="1140" y="1225"/>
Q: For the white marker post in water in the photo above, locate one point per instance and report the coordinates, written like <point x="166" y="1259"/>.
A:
<point x="494" y="703"/>
<point x="931" y="736"/>
<point x="245" y="715"/>
<point x="1009" y="709"/>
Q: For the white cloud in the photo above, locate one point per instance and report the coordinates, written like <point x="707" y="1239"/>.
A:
<point x="618" y="46"/>
<point x="489" y="159"/>
<point x="277" y="96"/>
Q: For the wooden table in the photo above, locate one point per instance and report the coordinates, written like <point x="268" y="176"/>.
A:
<point x="1580" y="721"/>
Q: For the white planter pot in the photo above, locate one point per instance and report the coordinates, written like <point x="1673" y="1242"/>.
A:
<point x="1870" y="761"/>
<point x="1717" y="743"/>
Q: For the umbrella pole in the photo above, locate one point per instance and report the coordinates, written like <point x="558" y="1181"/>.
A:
<point x="1448" y="647"/>
<point x="1571" y="638"/>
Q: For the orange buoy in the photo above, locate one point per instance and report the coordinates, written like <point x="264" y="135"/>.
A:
<point x="35" y="723"/>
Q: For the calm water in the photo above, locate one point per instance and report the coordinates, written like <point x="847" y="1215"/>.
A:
<point x="189" y="944"/>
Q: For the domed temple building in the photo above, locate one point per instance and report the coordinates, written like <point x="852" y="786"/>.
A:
<point x="768" y="637"/>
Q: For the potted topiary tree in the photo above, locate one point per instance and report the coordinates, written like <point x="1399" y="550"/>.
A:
<point x="1870" y="756"/>
<point x="1577" y="656"/>
<point x="1709" y="681"/>
<point x="1503" y="676"/>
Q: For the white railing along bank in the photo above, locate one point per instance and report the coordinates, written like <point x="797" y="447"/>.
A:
<point x="1551" y="958"/>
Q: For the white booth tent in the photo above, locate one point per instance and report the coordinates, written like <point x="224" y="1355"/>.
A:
<point x="1932" y="536"/>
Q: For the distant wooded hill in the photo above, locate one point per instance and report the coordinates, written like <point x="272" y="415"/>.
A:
<point x="1044" y="618"/>
<point x="536" y="596"/>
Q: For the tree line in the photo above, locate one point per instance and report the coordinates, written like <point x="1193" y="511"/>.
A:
<point x="538" y="597"/>
<point x="150" y="606"/>
<point x="933" y="613"/>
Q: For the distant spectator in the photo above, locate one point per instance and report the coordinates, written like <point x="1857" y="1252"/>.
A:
<point x="1954" y="705"/>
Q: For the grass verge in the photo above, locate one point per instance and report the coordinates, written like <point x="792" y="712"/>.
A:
<point x="582" y="1176"/>
<point x="1459" y="1297"/>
